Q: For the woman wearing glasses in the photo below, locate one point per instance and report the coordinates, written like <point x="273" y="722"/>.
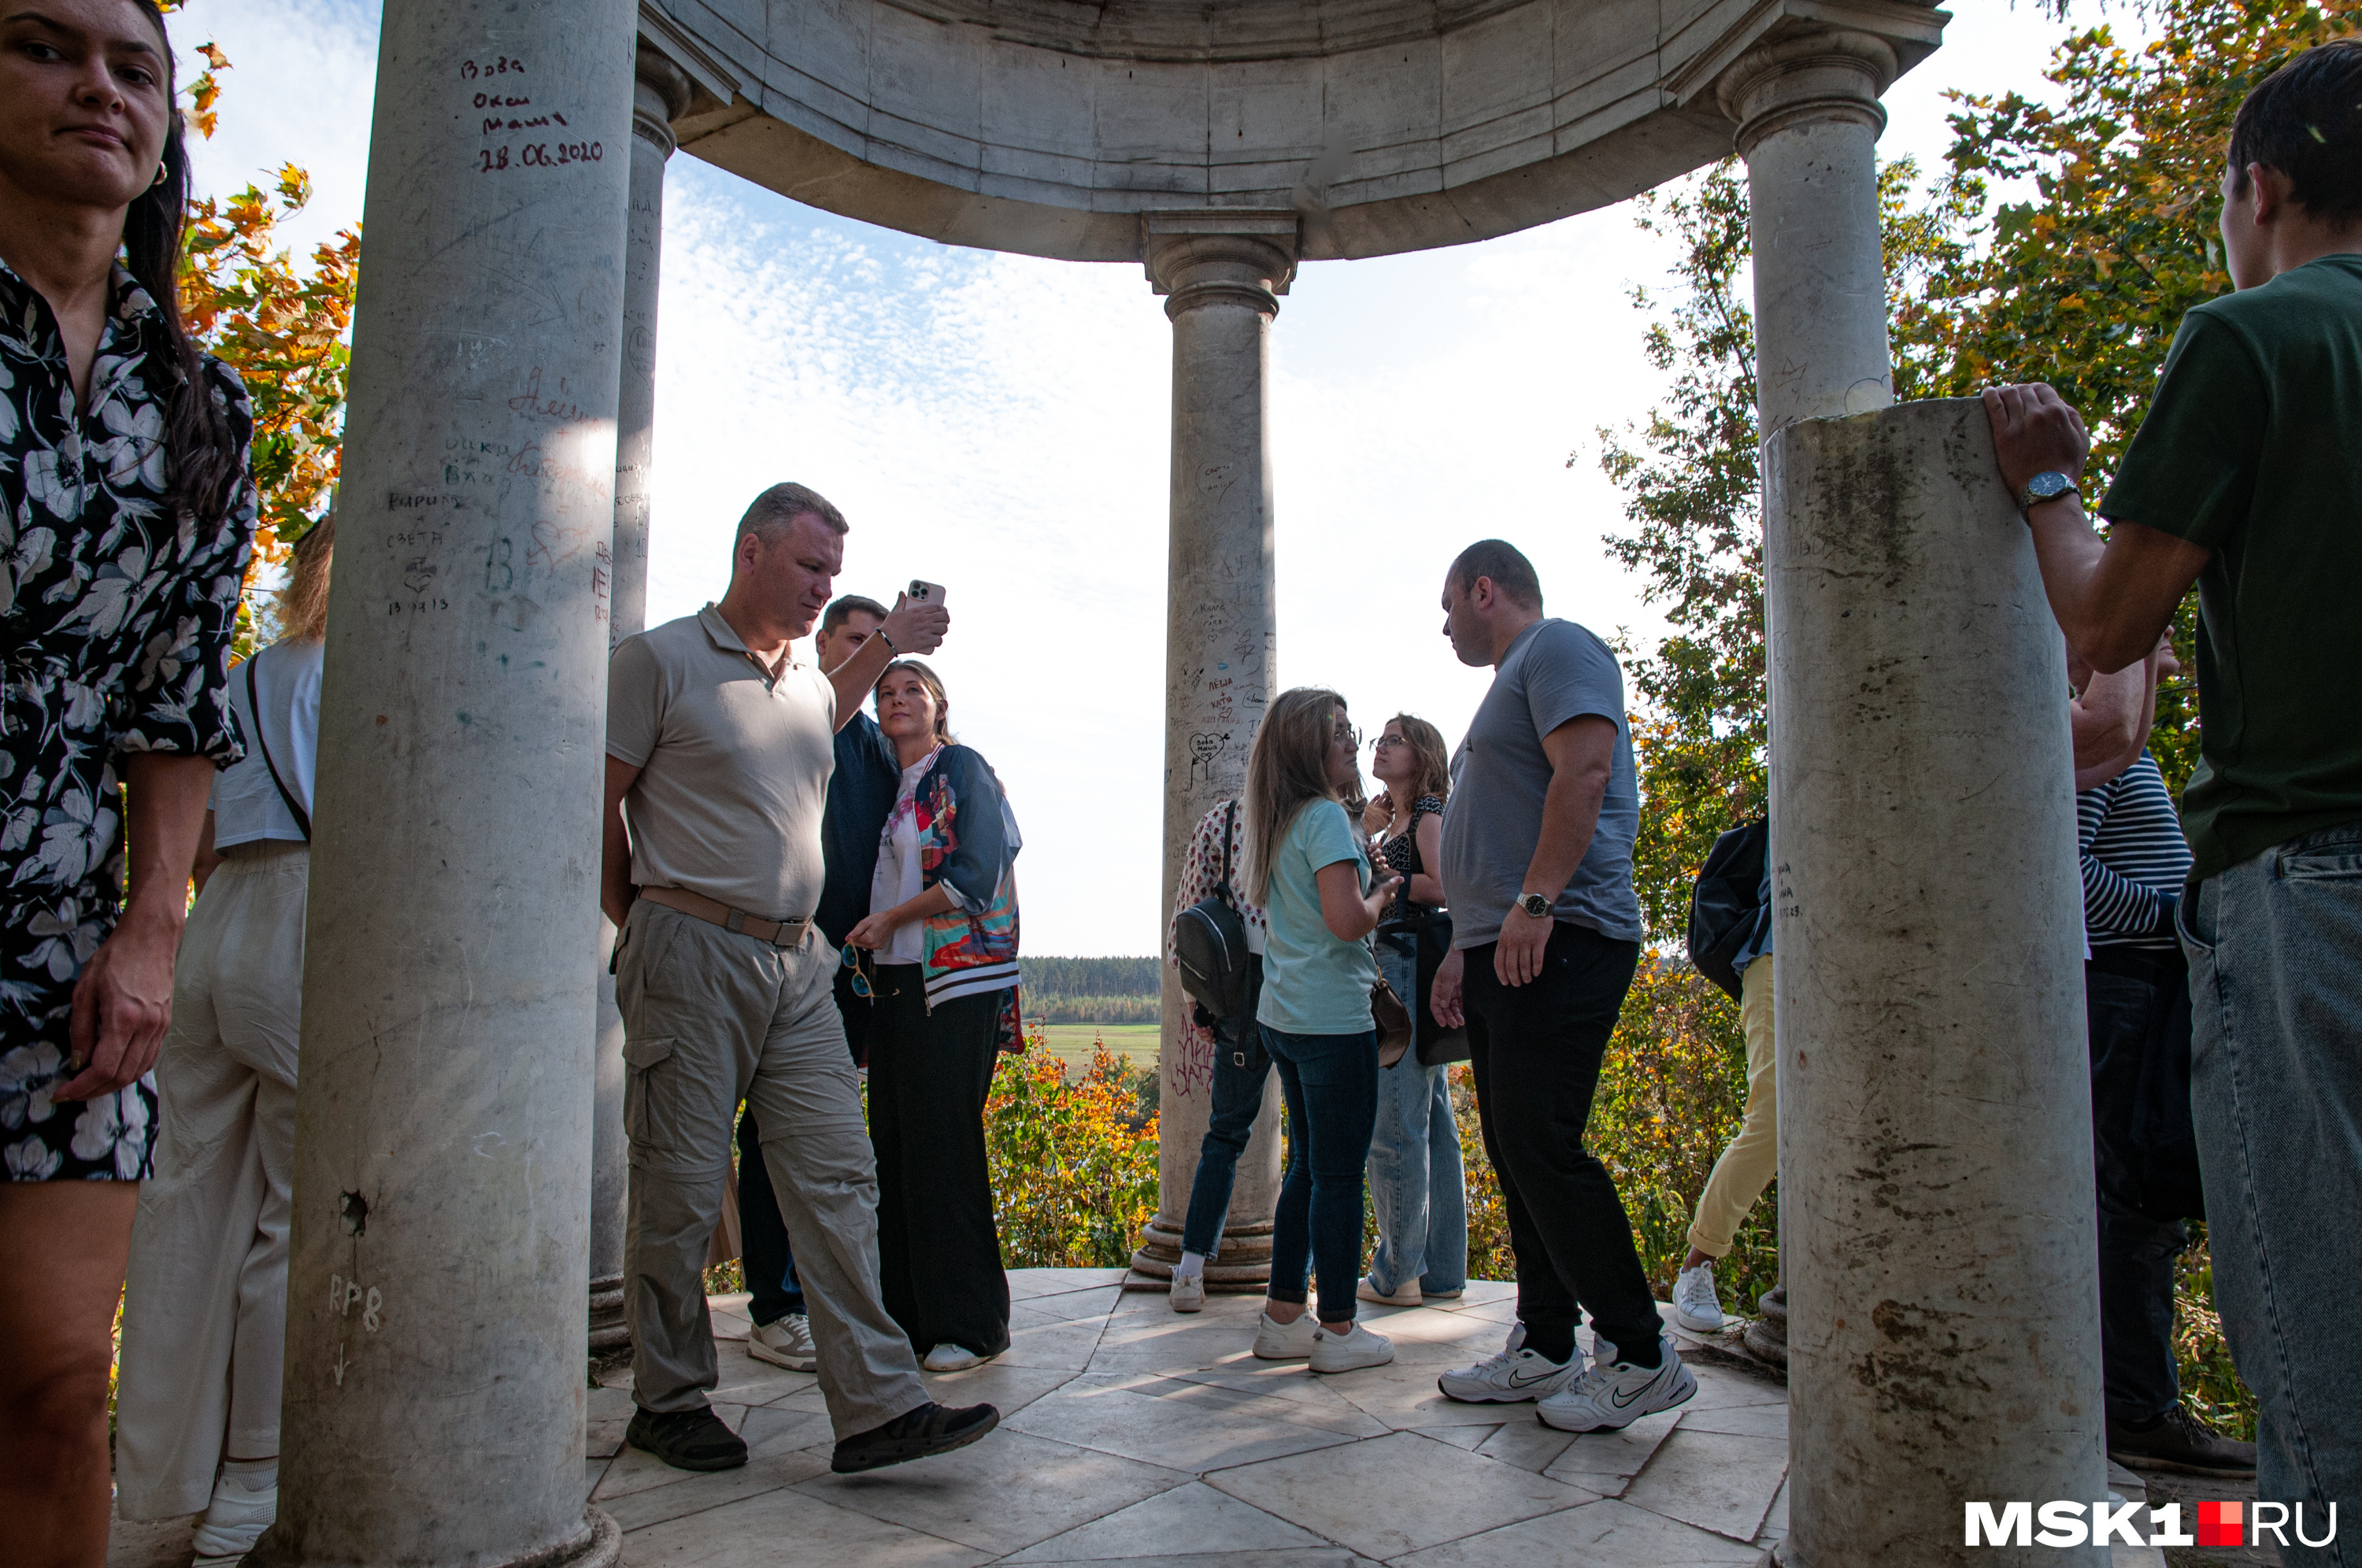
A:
<point x="1305" y="865"/>
<point x="1416" y="1182"/>
<point x="937" y="956"/>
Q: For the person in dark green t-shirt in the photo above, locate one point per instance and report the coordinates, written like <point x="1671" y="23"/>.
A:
<point x="2245" y="478"/>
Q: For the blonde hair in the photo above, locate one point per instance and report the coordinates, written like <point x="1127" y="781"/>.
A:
<point x="304" y="601"/>
<point x="935" y="685"/>
<point x="1288" y="771"/>
<point x="1434" y="760"/>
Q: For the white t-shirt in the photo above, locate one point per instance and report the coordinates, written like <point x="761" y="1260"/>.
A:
<point x="899" y="877"/>
<point x="246" y="804"/>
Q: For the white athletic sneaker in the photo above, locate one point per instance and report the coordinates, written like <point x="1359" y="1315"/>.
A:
<point x="787" y="1343"/>
<point x="1615" y="1395"/>
<point x="1333" y="1352"/>
<point x="1284" y="1342"/>
<point x="953" y="1358"/>
<point x="1404" y="1295"/>
<point x="1695" y="1306"/>
<point x="235" y="1518"/>
<point x="1188" y="1293"/>
<point x="1509" y="1377"/>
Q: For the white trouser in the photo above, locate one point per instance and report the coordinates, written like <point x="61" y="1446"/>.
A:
<point x="204" y="1311"/>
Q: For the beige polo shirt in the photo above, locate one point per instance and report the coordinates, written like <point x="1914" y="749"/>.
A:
<point x="734" y="766"/>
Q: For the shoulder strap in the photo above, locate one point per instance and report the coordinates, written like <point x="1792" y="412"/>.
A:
<point x="1229" y="830"/>
<point x="254" y="705"/>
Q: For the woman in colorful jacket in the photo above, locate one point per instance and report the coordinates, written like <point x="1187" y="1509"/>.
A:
<point x="939" y="949"/>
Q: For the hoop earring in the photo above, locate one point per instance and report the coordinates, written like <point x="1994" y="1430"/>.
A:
<point x="161" y="172"/>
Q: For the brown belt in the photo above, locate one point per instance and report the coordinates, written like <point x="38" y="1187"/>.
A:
<point x="777" y="932"/>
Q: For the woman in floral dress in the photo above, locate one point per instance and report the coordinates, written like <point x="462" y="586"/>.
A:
<point x="126" y="516"/>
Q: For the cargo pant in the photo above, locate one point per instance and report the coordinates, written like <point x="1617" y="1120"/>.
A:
<point x="710" y="1018"/>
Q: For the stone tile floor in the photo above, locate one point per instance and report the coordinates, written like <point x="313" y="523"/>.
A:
<point x="1131" y="1435"/>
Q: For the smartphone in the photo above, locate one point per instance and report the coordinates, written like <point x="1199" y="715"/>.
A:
<point x="921" y="591"/>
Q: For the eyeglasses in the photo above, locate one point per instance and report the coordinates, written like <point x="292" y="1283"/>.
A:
<point x="853" y="958"/>
<point x="1383" y="742"/>
<point x="1347" y="731"/>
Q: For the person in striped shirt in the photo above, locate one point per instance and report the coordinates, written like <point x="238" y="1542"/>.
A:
<point x="2133" y="862"/>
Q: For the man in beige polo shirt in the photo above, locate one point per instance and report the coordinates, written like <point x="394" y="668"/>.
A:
<point x="719" y="750"/>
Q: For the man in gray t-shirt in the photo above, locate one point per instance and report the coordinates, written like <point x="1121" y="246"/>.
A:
<point x="1538" y="872"/>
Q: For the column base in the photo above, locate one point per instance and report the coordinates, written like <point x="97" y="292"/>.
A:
<point x="1241" y="1264"/>
<point x="608" y="1330"/>
<point x="603" y="1549"/>
<point x="1767" y="1336"/>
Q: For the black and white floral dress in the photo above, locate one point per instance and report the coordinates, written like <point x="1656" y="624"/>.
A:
<point x="115" y="628"/>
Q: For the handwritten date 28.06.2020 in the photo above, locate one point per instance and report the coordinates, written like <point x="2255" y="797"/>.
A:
<point x="540" y="155"/>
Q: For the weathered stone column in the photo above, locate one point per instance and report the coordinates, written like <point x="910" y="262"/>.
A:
<point x="1220" y="273"/>
<point x="660" y="91"/>
<point x="1934" y="1107"/>
<point x="439" y="1251"/>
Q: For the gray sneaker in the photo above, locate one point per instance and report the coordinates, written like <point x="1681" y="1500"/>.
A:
<point x="1188" y="1293"/>
<point x="787" y="1343"/>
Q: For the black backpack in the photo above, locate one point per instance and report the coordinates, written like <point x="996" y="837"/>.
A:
<point x="1210" y="942"/>
<point x="1726" y="910"/>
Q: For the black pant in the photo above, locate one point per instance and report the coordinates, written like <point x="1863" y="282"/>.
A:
<point x="2136" y="1252"/>
<point x="770" y="1266"/>
<point x="1535" y="1052"/>
<point x="938" y="1249"/>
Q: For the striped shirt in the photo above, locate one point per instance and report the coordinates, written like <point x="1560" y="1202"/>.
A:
<point x="2134" y="857"/>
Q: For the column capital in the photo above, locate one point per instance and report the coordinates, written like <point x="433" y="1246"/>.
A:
<point x="660" y="95"/>
<point x="1220" y="257"/>
<point x="1809" y="73"/>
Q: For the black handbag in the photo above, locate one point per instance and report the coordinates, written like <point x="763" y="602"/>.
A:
<point x="1425" y="937"/>
<point x="1210" y="943"/>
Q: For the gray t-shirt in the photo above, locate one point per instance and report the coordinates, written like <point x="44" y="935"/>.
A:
<point x="734" y="766"/>
<point x="1555" y="671"/>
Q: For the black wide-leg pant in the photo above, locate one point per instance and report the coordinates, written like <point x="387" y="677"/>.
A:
<point x="938" y="1250"/>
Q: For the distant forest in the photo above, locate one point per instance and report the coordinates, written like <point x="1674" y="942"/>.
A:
<point x="1091" y="991"/>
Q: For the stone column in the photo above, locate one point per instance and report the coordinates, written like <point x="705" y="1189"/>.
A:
<point x="1938" y="1237"/>
<point x="1220" y="273"/>
<point x="660" y="91"/>
<point x="1934" y="1102"/>
<point x="440" y="1239"/>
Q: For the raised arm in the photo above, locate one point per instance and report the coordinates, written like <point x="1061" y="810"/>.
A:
<point x="909" y="629"/>
<point x="2112" y="599"/>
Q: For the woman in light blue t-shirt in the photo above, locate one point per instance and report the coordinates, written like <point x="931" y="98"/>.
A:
<point x="1307" y="867"/>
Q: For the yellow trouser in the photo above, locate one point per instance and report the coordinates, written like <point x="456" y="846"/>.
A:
<point x="1753" y="1157"/>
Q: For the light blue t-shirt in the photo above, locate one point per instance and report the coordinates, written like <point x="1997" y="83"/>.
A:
<point x="1313" y="983"/>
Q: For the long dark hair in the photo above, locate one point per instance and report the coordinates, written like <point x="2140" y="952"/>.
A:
<point x="200" y="452"/>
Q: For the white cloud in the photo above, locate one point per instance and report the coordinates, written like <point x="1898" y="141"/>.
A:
<point x="998" y="424"/>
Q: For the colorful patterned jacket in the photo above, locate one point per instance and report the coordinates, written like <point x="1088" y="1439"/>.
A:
<point x="968" y="843"/>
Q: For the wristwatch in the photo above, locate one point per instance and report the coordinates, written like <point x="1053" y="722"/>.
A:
<point x="2048" y="485"/>
<point x="1538" y="905"/>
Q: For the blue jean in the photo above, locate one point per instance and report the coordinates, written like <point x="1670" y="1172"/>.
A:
<point x="1241" y="1073"/>
<point x="1416" y="1185"/>
<point x="2274" y="946"/>
<point x="1331" y="1083"/>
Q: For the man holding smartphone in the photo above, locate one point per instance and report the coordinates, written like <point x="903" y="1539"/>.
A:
<point x="719" y="747"/>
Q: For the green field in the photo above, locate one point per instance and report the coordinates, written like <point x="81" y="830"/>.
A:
<point x="1072" y="1041"/>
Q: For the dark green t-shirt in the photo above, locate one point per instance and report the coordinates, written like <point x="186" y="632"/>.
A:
<point x="2253" y="448"/>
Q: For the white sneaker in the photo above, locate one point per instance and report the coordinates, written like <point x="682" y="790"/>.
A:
<point x="787" y="1343"/>
<point x="235" y="1518"/>
<point x="1509" y="1377"/>
<point x="1284" y="1342"/>
<point x="1695" y="1306"/>
<point x="1333" y="1352"/>
<point x="1188" y="1293"/>
<point x="953" y="1358"/>
<point x="1615" y="1395"/>
<point x="1404" y="1295"/>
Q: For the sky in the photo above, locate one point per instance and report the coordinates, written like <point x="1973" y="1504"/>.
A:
<point x="998" y="425"/>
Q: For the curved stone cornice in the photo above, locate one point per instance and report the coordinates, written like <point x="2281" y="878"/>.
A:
<point x="1210" y="29"/>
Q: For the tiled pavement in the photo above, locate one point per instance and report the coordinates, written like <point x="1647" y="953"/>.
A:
<point x="1134" y="1436"/>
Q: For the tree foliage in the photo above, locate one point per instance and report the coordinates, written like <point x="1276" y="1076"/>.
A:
<point x="280" y="327"/>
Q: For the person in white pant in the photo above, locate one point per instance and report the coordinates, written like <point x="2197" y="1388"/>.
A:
<point x="204" y="1313"/>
